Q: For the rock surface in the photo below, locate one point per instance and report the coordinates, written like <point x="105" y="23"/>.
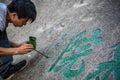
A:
<point x="81" y="36"/>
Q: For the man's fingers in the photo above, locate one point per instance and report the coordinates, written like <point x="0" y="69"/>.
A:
<point x="29" y="46"/>
<point x="29" y="50"/>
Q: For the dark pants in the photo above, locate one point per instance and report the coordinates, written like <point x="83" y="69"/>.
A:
<point x="7" y="60"/>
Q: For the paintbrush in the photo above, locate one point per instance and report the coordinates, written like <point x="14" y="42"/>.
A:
<point x="42" y="54"/>
<point x="32" y="40"/>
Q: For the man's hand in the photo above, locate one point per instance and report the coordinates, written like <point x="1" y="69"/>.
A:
<point x="24" y="48"/>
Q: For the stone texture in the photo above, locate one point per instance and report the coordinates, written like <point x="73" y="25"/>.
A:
<point x="57" y="22"/>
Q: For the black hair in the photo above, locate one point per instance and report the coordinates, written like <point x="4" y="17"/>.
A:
<point x="23" y="8"/>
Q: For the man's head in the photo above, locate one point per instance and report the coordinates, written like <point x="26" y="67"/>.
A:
<point x="21" y="11"/>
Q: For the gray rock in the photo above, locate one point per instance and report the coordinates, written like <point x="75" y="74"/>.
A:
<point x="57" y="24"/>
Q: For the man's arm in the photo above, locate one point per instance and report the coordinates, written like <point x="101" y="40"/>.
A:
<point x="23" y="49"/>
<point x="14" y="44"/>
<point x="8" y="51"/>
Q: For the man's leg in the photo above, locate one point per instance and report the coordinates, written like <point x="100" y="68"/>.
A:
<point x="12" y="69"/>
<point x="5" y="62"/>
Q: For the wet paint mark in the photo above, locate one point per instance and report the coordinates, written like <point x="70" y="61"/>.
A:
<point x="68" y="48"/>
<point x="82" y="45"/>
<point x="107" y="68"/>
<point x="95" y="39"/>
<point x="68" y="62"/>
<point x="64" y="36"/>
<point x="61" y="40"/>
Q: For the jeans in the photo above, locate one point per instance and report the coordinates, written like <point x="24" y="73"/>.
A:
<point x="7" y="60"/>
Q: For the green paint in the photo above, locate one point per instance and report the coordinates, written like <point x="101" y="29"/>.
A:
<point x="110" y="67"/>
<point x="64" y="36"/>
<point x="105" y="76"/>
<point x="42" y="53"/>
<point x="68" y="73"/>
<point x="82" y="46"/>
<point x="68" y="63"/>
<point x="70" y="60"/>
<point x="85" y="47"/>
<point x="58" y="44"/>
<point x="73" y="42"/>
<point x="32" y="40"/>
<point x="97" y="78"/>
<point x="95" y="39"/>
<point x="68" y="48"/>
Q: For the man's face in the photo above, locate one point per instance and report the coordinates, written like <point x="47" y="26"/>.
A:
<point x="18" y="22"/>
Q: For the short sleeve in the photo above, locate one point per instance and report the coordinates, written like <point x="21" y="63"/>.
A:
<point x="2" y="26"/>
<point x="3" y="12"/>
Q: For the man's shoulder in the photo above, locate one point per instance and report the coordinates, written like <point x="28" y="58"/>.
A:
<point x="3" y="12"/>
<point x="3" y="6"/>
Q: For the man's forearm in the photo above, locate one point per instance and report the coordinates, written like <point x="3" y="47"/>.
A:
<point x="23" y="49"/>
<point x="13" y="44"/>
<point x="8" y="51"/>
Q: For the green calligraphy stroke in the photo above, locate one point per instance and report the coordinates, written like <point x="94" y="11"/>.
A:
<point x="82" y="45"/>
<point x="107" y="68"/>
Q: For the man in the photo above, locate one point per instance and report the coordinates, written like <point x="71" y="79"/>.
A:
<point x="18" y="12"/>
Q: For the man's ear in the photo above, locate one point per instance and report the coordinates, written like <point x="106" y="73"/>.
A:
<point x="13" y="15"/>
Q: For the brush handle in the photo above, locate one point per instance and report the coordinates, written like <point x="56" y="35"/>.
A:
<point x="42" y="54"/>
